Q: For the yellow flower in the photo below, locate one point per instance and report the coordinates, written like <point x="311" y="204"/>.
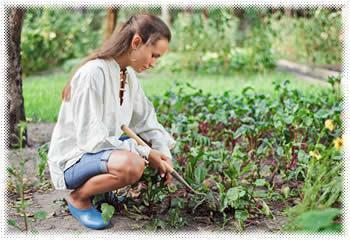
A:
<point x="329" y="124"/>
<point x="315" y="155"/>
<point x="338" y="143"/>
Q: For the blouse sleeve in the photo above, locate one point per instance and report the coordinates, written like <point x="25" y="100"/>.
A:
<point x="144" y="122"/>
<point x="91" y="133"/>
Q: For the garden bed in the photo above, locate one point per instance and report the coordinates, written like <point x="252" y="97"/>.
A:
<point x="49" y="200"/>
<point x="272" y="163"/>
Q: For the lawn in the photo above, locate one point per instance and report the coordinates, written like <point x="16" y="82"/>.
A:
<point x="217" y="84"/>
<point x="42" y="93"/>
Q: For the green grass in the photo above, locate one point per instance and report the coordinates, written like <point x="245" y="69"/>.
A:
<point x="155" y="84"/>
<point x="42" y="94"/>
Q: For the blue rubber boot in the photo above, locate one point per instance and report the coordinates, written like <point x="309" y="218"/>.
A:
<point x="90" y="217"/>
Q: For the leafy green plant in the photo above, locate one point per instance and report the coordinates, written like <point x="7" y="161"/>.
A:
<point x="42" y="152"/>
<point x="107" y="211"/>
<point x="155" y="224"/>
<point x="319" y="221"/>
<point x="175" y="220"/>
<point x="17" y="174"/>
<point x="154" y="190"/>
<point x="335" y="82"/>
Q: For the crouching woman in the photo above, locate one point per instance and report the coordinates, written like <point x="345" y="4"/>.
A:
<point x="87" y="153"/>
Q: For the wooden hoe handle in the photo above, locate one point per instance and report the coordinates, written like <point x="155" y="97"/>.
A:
<point x="132" y="135"/>
<point x="139" y="141"/>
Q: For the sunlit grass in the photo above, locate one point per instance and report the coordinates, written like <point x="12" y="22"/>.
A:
<point x="42" y="94"/>
<point x="155" y="84"/>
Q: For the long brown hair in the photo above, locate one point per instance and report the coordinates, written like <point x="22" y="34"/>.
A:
<point x="150" y="28"/>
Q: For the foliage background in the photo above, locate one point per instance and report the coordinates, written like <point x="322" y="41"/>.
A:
<point x="216" y="43"/>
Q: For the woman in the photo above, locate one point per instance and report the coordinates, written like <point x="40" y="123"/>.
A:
<point x="86" y="153"/>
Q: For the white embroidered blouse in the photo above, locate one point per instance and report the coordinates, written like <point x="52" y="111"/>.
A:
<point x="91" y="120"/>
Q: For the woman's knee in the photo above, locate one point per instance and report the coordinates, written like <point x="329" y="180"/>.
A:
<point x="127" y="166"/>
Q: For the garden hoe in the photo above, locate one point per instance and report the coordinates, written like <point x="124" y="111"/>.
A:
<point x="173" y="172"/>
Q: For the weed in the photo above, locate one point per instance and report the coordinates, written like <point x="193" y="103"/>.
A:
<point x="17" y="172"/>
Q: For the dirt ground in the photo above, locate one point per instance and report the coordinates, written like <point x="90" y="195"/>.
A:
<point x="60" y="220"/>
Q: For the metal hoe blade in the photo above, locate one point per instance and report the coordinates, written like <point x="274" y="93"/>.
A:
<point x="181" y="180"/>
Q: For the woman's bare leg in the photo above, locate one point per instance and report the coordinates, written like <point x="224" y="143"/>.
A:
<point x="124" y="168"/>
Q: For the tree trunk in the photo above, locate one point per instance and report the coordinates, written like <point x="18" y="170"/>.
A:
<point x="112" y="14"/>
<point x="205" y="13"/>
<point x="187" y="10"/>
<point x="243" y="25"/>
<point x="173" y="13"/>
<point x="15" y="101"/>
<point x="288" y="12"/>
<point x="165" y="13"/>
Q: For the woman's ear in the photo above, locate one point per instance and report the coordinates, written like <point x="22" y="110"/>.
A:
<point x="136" y="41"/>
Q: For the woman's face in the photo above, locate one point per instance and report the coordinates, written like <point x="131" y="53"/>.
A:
<point x="145" y="57"/>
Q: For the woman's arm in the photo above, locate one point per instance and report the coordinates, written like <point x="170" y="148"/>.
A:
<point x="144" y="122"/>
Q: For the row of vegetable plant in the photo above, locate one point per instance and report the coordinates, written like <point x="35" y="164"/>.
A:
<point x="253" y="153"/>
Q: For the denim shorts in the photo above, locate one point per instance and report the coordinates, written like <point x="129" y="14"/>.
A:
<point x="89" y="165"/>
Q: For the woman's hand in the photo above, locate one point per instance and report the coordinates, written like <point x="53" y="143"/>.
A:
<point x="158" y="161"/>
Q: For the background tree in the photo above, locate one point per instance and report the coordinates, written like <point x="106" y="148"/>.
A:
<point x="165" y="13"/>
<point x="112" y="15"/>
<point x="15" y="102"/>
